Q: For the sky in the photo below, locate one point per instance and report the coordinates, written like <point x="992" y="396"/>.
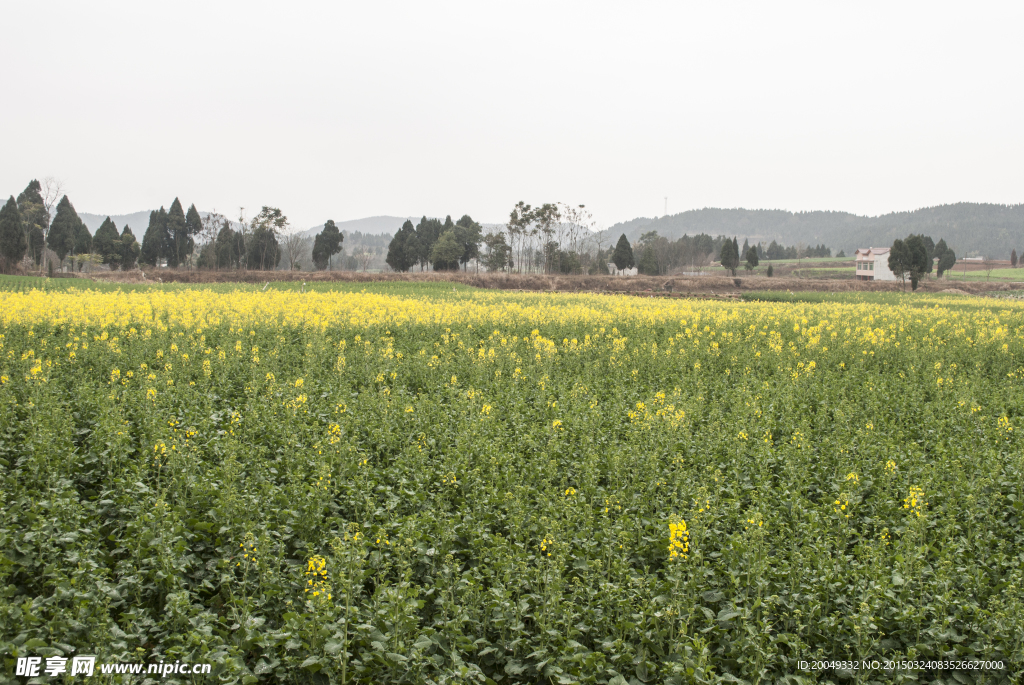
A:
<point x="345" y="110"/>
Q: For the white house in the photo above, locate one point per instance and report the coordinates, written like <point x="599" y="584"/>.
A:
<point x="873" y="264"/>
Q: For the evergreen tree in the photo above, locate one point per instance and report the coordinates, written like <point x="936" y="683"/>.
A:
<point x="470" y="234"/>
<point x="901" y="260"/>
<point x="947" y="258"/>
<point x="327" y="243"/>
<point x="83" y="243"/>
<point x="402" y="249"/>
<point x="446" y="251"/>
<point x="227" y="250"/>
<point x="193" y="227"/>
<point x="179" y="244"/>
<point x="622" y="257"/>
<point x="648" y="264"/>
<point x="771" y="271"/>
<point x="428" y="231"/>
<point x="752" y="260"/>
<point x="36" y="244"/>
<point x="107" y="243"/>
<point x="13" y="242"/>
<point x="918" y="253"/>
<point x="130" y="249"/>
<point x="1013" y="258"/>
<point x="499" y="254"/>
<point x="929" y="249"/>
<point x="155" y="240"/>
<point x="34" y="218"/>
<point x="63" y="230"/>
<point x="264" y="253"/>
<point x="745" y="248"/>
<point x="730" y="255"/>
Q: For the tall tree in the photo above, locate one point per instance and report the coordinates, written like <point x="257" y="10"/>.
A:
<point x="499" y="254"/>
<point x="402" y="249"/>
<point x="63" y="230"/>
<point x="83" y="243"/>
<point x="919" y="262"/>
<point x="178" y="245"/>
<point x="899" y="260"/>
<point x="327" y="244"/>
<point x="35" y="218"/>
<point x="428" y="231"/>
<point x="929" y="249"/>
<point x="36" y="244"/>
<point x="446" y="251"/>
<point x="263" y="252"/>
<point x="155" y="240"/>
<point x="752" y="260"/>
<point x="13" y="242"/>
<point x="622" y="257"/>
<point x="1013" y="258"/>
<point x="130" y="249"/>
<point x="107" y="243"/>
<point x="193" y="228"/>
<point x="729" y="257"/>
<point x="947" y="258"/>
<point x="470" y="235"/>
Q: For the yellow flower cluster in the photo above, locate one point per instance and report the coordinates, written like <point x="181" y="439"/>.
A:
<point x="316" y="577"/>
<point x="546" y="544"/>
<point x="914" y="501"/>
<point x="248" y="550"/>
<point x="678" y="540"/>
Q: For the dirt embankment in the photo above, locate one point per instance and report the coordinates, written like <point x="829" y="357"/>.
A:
<point x="661" y="285"/>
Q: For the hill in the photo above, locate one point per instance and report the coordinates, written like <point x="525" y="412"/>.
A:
<point x="971" y="229"/>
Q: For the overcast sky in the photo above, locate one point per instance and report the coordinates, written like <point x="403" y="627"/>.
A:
<point x="346" y="110"/>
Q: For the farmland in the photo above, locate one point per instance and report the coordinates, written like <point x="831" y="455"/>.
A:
<point x="416" y="483"/>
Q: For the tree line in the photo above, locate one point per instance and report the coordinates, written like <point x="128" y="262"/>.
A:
<point x="42" y="229"/>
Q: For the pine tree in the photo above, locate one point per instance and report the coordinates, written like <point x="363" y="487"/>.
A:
<point x="327" y="243"/>
<point x="63" y="230"/>
<point x="1013" y="258"/>
<point x="107" y="243"/>
<point x="155" y="240"/>
<point x="130" y="249"/>
<point x="428" y="231"/>
<point x="179" y="242"/>
<point x="13" y="242"/>
<point x="752" y="260"/>
<point x="622" y="257"/>
<point x="36" y="244"/>
<point x="446" y="251"/>
<point x="402" y="249"/>
<point x="730" y="255"/>
<point x="193" y="226"/>
<point x="34" y="218"/>
<point x="83" y="243"/>
<point x="771" y="271"/>
<point x="470" y="234"/>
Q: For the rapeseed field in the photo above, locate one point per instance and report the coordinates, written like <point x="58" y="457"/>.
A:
<point x="479" y="486"/>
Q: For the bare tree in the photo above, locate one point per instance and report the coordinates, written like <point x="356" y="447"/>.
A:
<point x="364" y="258"/>
<point x="52" y="192"/>
<point x="295" y="246"/>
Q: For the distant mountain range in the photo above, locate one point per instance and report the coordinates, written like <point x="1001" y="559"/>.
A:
<point x="970" y="229"/>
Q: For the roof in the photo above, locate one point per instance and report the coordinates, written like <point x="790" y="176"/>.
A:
<point x="872" y="251"/>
